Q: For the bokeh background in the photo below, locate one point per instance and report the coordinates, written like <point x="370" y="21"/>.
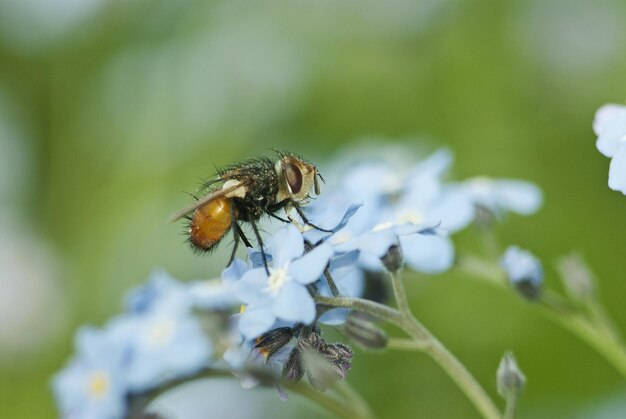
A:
<point x="109" y="109"/>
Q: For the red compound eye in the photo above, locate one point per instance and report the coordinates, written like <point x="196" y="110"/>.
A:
<point x="294" y="177"/>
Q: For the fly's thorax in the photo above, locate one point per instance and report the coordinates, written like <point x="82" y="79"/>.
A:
<point x="296" y="179"/>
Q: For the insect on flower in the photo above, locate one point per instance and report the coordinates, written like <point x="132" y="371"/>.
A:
<point x="245" y="191"/>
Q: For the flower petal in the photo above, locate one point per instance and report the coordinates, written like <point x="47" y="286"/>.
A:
<point x="286" y="245"/>
<point x="294" y="303"/>
<point x="251" y="285"/>
<point x="617" y="170"/>
<point x="330" y="221"/>
<point x="310" y="267"/>
<point x="377" y="243"/>
<point x="335" y="317"/>
<point x="605" y="114"/>
<point x="612" y="131"/>
<point x="256" y="320"/>
<point x="454" y="209"/>
<point x="518" y="196"/>
<point x="235" y="271"/>
<point x="428" y="254"/>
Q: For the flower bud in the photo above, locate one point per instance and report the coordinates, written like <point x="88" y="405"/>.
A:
<point x="484" y="217"/>
<point x="393" y="259"/>
<point x="524" y="271"/>
<point x="364" y="333"/>
<point x="273" y="341"/>
<point x="510" y="379"/>
<point x="293" y="370"/>
<point x="578" y="280"/>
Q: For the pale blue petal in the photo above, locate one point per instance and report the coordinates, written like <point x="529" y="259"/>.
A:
<point x="610" y="125"/>
<point x="310" y="267"/>
<point x="437" y="163"/>
<point x="370" y="180"/>
<point x="454" y="209"/>
<point x="235" y="271"/>
<point x="213" y="294"/>
<point x="428" y="254"/>
<point x="251" y="285"/>
<point x="350" y="281"/>
<point x="159" y="286"/>
<point x="330" y="221"/>
<point x="287" y="244"/>
<point x="256" y="320"/>
<point x="344" y="260"/>
<point x="294" y="303"/>
<point x="410" y="228"/>
<point x="520" y="265"/>
<point x="377" y="243"/>
<point x="335" y="317"/>
<point x="347" y="276"/>
<point x="371" y="262"/>
<point x="518" y="196"/>
<point x="617" y="170"/>
<point x="421" y="191"/>
<point x="605" y="114"/>
<point x="256" y="258"/>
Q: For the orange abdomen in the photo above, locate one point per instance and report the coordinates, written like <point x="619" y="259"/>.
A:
<point x="210" y="223"/>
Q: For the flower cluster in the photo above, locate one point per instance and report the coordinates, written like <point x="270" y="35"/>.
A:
<point x="157" y="339"/>
<point x="397" y="203"/>
<point x="376" y="219"/>
<point x="609" y="125"/>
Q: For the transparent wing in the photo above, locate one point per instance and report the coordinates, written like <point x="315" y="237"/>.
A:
<point x="205" y="200"/>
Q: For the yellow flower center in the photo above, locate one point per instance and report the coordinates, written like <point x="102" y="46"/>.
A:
<point x="98" y="384"/>
<point x="276" y="280"/>
<point x="161" y="333"/>
<point x="411" y="216"/>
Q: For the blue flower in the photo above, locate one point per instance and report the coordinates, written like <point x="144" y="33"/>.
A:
<point x="163" y="293"/>
<point x="283" y="294"/>
<point x="165" y="345"/>
<point x="375" y="243"/>
<point x="397" y="210"/>
<point x="523" y="270"/>
<point x="160" y="292"/>
<point x="610" y="127"/>
<point x="93" y="385"/>
<point x="504" y="195"/>
<point x="213" y="294"/>
<point x="167" y="341"/>
<point x="350" y="282"/>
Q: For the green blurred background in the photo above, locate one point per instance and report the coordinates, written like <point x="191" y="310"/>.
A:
<point x="109" y="109"/>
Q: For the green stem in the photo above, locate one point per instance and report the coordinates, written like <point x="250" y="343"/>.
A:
<point x="400" y="294"/>
<point x="596" y="328"/>
<point x="339" y="408"/>
<point x="606" y="345"/>
<point x="407" y="344"/>
<point x="509" y="410"/>
<point x="358" y="403"/>
<point x="459" y="374"/>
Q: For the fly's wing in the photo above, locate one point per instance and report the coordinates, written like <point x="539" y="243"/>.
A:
<point x="226" y="190"/>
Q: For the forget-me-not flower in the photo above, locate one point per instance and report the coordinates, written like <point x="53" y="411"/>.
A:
<point x="283" y="294"/>
<point x="159" y="292"/>
<point x="503" y="195"/>
<point x="523" y="270"/>
<point x="94" y="385"/>
<point x="610" y="126"/>
<point x="165" y="345"/>
<point x="394" y="203"/>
